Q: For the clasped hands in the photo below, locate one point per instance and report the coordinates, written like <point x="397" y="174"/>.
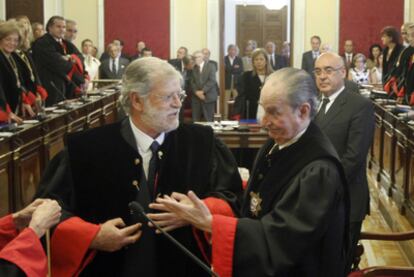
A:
<point x="176" y="210"/>
<point x="179" y="210"/>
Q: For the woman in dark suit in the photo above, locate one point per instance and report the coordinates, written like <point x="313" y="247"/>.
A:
<point x="250" y="85"/>
<point x="391" y="52"/>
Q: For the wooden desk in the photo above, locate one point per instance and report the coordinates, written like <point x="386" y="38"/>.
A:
<point x="24" y="155"/>
<point x="234" y="139"/>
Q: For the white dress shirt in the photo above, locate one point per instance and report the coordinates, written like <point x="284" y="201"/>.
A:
<point x="144" y="142"/>
<point x="331" y="99"/>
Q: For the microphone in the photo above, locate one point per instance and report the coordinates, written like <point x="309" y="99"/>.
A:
<point x="136" y="207"/>
<point x="58" y="90"/>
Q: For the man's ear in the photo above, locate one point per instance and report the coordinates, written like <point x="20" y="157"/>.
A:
<point x="304" y="110"/>
<point x="137" y="103"/>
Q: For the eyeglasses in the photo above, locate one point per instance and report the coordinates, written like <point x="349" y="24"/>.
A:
<point x="327" y="70"/>
<point x="168" y="98"/>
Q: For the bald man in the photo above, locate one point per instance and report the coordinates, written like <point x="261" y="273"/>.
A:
<point x="347" y="119"/>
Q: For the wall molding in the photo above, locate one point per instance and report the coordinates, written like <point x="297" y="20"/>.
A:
<point x="3" y="9"/>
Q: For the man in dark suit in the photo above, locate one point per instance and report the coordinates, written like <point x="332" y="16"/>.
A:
<point x="55" y="65"/>
<point x="114" y="67"/>
<point x="105" y="55"/>
<point x="206" y="56"/>
<point x="233" y="66"/>
<point x="348" y="54"/>
<point x="347" y="119"/>
<point x="276" y="61"/>
<point x="204" y="87"/>
<point x="309" y="57"/>
<point x="178" y="62"/>
<point x="140" y="46"/>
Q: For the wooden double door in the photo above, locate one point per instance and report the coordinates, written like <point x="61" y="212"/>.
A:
<point x="258" y="23"/>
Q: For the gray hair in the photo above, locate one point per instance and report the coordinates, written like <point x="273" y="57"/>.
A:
<point x="140" y="76"/>
<point x="299" y="87"/>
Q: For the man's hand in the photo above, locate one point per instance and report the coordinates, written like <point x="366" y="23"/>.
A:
<point x="45" y="216"/>
<point x="168" y="220"/>
<point x="113" y="235"/>
<point x="196" y="213"/>
<point x="22" y="218"/>
<point x="27" y="110"/>
<point x="14" y="118"/>
<point x="200" y="94"/>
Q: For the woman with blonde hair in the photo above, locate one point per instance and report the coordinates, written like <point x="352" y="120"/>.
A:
<point x="36" y="94"/>
<point x="15" y="98"/>
<point x="359" y="73"/>
<point x="250" y="85"/>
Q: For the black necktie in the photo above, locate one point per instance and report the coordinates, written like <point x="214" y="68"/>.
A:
<point x="113" y="66"/>
<point x="152" y="168"/>
<point x="322" y="110"/>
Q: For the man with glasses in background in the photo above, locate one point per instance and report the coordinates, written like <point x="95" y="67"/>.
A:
<point x="347" y="119"/>
<point x="147" y="154"/>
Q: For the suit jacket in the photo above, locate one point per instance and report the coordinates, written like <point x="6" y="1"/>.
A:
<point x="249" y="92"/>
<point x="280" y="62"/>
<point x="349" y="124"/>
<point x="177" y="63"/>
<point x="106" y="56"/>
<point x="234" y="70"/>
<point x="346" y="63"/>
<point x="106" y="73"/>
<point x="308" y="63"/>
<point x="205" y="81"/>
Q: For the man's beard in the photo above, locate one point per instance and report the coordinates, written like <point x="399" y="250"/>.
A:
<point x="158" y="119"/>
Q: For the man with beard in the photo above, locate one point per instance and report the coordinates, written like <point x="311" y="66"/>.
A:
<point x="102" y="170"/>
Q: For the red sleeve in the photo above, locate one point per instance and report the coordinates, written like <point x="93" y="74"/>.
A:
<point x="70" y="246"/>
<point x="7" y="230"/>
<point x="27" y="253"/>
<point x="223" y="235"/>
<point x="4" y="115"/>
<point x="218" y="206"/>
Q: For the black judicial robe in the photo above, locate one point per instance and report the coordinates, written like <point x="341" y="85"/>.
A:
<point x="53" y="68"/>
<point x="294" y="216"/>
<point x="94" y="179"/>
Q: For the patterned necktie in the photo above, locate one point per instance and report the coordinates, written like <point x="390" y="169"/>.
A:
<point x="152" y="168"/>
<point x="113" y="66"/>
<point x="322" y="111"/>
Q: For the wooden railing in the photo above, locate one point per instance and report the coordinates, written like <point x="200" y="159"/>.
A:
<point x="24" y="155"/>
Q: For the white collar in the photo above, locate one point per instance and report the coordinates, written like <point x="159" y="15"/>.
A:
<point x="290" y="142"/>
<point x="143" y="140"/>
<point x="334" y="95"/>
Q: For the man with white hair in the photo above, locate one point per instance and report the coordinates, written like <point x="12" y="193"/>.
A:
<point x="147" y="154"/>
<point x="294" y="216"/>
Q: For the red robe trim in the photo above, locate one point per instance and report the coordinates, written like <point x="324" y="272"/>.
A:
<point x="70" y="246"/>
<point x="4" y="115"/>
<point x="218" y="206"/>
<point x="77" y="69"/>
<point x="26" y="252"/>
<point x="223" y="235"/>
<point x="7" y="230"/>
<point x="42" y="92"/>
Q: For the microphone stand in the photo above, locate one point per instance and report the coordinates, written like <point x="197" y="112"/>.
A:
<point x="136" y="207"/>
